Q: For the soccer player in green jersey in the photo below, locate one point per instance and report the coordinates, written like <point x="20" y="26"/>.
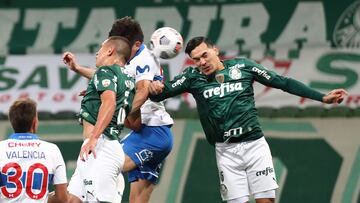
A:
<point x="104" y="110"/>
<point x="145" y="149"/>
<point x="223" y="91"/>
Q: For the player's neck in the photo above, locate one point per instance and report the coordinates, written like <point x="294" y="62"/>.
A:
<point x="112" y="60"/>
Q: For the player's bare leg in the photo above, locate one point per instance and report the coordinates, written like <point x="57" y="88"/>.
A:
<point x="140" y="191"/>
<point x="265" y="200"/>
<point x="129" y="164"/>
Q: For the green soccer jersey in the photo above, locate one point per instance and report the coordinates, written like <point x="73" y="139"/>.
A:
<point x="225" y="99"/>
<point x="109" y="78"/>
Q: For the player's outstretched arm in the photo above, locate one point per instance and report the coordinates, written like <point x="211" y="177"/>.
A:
<point x="70" y="60"/>
<point x="335" y="96"/>
<point x="155" y="88"/>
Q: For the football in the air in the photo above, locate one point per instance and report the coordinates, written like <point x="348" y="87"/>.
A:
<point x="166" y="42"/>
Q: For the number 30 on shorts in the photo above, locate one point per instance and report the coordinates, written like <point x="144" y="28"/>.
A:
<point x="14" y="179"/>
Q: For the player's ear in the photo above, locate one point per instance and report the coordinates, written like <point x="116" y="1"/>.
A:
<point x="35" y="124"/>
<point x="137" y="44"/>
<point x="111" y="50"/>
<point x="216" y="50"/>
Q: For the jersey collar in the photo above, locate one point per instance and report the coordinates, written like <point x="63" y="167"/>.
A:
<point x="24" y="136"/>
<point x="142" y="47"/>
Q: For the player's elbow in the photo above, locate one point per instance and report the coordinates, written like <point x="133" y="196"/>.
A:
<point x="60" y="195"/>
<point x="134" y="124"/>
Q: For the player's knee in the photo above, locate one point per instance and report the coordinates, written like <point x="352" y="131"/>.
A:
<point x="265" y="200"/>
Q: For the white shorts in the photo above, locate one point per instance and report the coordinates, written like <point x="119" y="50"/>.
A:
<point x="245" y="168"/>
<point x="97" y="179"/>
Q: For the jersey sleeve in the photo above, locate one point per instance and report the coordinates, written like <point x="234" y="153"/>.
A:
<point x="104" y="79"/>
<point x="59" y="167"/>
<point x="180" y="84"/>
<point x="292" y="86"/>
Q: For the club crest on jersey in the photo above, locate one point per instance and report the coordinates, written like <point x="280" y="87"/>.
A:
<point x="234" y="72"/>
<point x="220" y="78"/>
<point x="105" y="83"/>
<point x="347" y="31"/>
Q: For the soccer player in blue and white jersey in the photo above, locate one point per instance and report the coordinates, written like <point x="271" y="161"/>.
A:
<point x="147" y="148"/>
<point x="28" y="165"/>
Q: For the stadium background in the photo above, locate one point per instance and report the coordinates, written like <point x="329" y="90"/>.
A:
<point x="316" y="147"/>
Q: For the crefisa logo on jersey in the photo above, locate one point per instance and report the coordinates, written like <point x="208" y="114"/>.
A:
<point x="347" y="29"/>
<point x="265" y="172"/>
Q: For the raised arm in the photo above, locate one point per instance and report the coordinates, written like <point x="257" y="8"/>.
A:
<point x="161" y="91"/>
<point x="70" y="60"/>
<point x="295" y="87"/>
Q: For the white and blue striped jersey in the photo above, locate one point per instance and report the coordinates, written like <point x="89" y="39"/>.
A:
<point x="27" y="167"/>
<point x="145" y="66"/>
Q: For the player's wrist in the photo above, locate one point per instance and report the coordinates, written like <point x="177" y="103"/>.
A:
<point x="75" y="67"/>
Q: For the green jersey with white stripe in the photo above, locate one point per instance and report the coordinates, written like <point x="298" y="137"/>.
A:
<point x="114" y="79"/>
<point x="225" y="99"/>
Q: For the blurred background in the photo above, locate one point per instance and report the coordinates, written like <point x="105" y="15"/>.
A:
<point x="316" y="147"/>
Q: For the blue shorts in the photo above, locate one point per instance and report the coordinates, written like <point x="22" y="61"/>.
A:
<point x="147" y="148"/>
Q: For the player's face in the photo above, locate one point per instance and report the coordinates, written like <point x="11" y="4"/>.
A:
<point x="136" y="46"/>
<point x="102" y="54"/>
<point x="206" y="59"/>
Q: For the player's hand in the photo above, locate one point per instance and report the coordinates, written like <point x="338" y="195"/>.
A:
<point x="155" y="87"/>
<point x="82" y="93"/>
<point x="70" y="61"/>
<point x="88" y="148"/>
<point x="335" y="96"/>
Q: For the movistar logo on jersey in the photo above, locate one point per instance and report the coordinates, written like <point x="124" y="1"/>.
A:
<point x="224" y="88"/>
<point x="179" y="82"/>
<point x="261" y="72"/>
<point x="142" y="70"/>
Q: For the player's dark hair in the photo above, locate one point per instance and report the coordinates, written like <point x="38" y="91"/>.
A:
<point x="127" y="27"/>
<point x="196" y="41"/>
<point x="22" y="114"/>
<point x="123" y="47"/>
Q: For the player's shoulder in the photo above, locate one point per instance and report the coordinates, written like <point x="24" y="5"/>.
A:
<point x="109" y="70"/>
<point x="240" y="62"/>
<point x="3" y="143"/>
<point x="191" y="71"/>
<point x="144" y="57"/>
<point x="49" y="145"/>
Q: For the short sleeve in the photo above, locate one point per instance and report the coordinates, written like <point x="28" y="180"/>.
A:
<point x="146" y="69"/>
<point x="105" y="79"/>
<point x="59" y="168"/>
